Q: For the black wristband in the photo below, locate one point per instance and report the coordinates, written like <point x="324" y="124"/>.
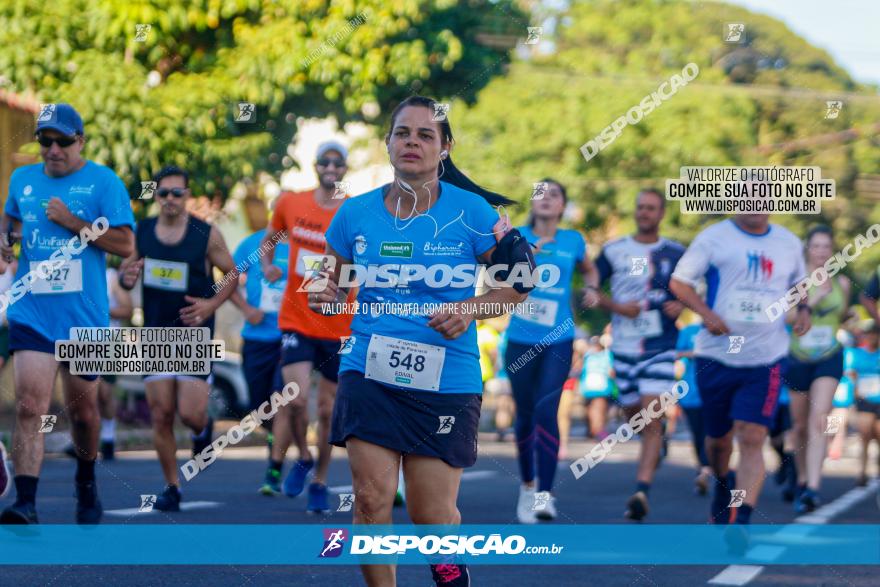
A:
<point x="122" y="283"/>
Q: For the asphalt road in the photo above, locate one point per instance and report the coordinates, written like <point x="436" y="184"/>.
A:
<point x="226" y="493"/>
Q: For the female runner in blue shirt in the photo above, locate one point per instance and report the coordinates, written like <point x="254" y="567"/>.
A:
<point x="545" y="327"/>
<point x="410" y="387"/>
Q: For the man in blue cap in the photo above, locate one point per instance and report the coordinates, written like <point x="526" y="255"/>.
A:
<point x="51" y="202"/>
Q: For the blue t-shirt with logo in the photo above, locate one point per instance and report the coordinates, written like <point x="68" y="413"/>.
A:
<point x="404" y="352"/>
<point x="685" y="342"/>
<point x="74" y="295"/>
<point x="259" y="293"/>
<point x="550" y="306"/>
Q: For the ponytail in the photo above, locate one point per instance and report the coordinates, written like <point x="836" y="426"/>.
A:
<point x="446" y="170"/>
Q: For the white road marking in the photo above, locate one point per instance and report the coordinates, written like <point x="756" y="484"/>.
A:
<point x="742" y="574"/>
<point x="736" y="575"/>
<point x="184" y="506"/>
<point x="466" y="476"/>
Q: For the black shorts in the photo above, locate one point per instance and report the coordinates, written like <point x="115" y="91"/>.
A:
<point x="25" y="338"/>
<point x="321" y="353"/>
<point x="782" y="421"/>
<point x="4" y="342"/>
<point x="801" y="375"/>
<point x="261" y="364"/>
<point x="863" y="405"/>
<point x="438" y="425"/>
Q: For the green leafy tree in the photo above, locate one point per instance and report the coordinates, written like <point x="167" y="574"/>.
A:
<point x="758" y="102"/>
<point x="172" y="93"/>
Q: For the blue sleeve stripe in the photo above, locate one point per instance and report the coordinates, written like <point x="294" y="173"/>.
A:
<point x="713" y="279"/>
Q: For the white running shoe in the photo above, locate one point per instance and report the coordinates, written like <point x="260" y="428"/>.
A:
<point x="525" y="507"/>
<point x="546" y="510"/>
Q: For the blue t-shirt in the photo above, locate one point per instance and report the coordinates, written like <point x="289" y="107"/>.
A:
<point x="259" y="292"/>
<point x="867" y="368"/>
<point x="844" y="395"/>
<point x="451" y="234"/>
<point x="501" y="371"/>
<point x="551" y="305"/>
<point x="76" y="294"/>
<point x="685" y="342"/>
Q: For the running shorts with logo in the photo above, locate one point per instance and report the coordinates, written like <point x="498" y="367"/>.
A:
<point x="261" y="347"/>
<point x="74" y="294"/>
<point x="307" y="335"/>
<point x="643" y="347"/>
<point x="170" y="273"/>
<point x="818" y="353"/>
<point x="424" y="386"/>
<point x="739" y="375"/>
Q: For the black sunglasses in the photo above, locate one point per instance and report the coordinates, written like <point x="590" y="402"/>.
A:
<point x="176" y="192"/>
<point x="62" y="141"/>
<point x="326" y="162"/>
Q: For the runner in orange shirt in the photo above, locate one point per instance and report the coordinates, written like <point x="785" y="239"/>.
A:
<point x="309" y="340"/>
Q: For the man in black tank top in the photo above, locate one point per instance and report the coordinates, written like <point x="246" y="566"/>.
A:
<point x="175" y="253"/>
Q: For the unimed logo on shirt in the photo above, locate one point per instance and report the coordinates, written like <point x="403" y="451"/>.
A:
<point x="388" y="249"/>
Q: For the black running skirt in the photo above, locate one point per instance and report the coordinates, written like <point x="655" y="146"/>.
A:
<point x="439" y="425"/>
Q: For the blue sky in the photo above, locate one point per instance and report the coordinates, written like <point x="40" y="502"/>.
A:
<point x="847" y="29"/>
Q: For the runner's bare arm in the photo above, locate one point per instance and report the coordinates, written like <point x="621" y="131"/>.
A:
<point x="271" y="272"/>
<point x="116" y="241"/>
<point x="130" y="270"/>
<point x="251" y="314"/>
<point x="453" y="324"/>
<point x="10" y="232"/>
<point x="124" y="306"/>
<point x="688" y="296"/>
<point x="200" y="309"/>
<point x="220" y="257"/>
<point x="628" y="309"/>
<point x="591" y="282"/>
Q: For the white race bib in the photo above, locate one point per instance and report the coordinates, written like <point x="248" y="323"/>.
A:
<point x="67" y="278"/>
<point x="747" y="306"/>
<point x="170" y="275"/>
<point x="271" y="295"/>
<point x="818" y="338"/>
<point x="596" y="381"/>
<point x="646" y="325"/>
<point x="540" y="311"/>
<point x="868" y="386"/>
<point x="404" y="363"/>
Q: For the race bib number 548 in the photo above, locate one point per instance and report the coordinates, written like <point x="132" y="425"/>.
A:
<point x="404" y="363"/>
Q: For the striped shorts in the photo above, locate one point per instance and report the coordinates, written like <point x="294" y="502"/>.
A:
<point x="644" y="375"/>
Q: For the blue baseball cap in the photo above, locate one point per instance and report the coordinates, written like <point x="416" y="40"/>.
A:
<point x="61" y="117"/>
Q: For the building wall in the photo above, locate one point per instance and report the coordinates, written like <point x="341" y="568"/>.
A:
<point x="17" y="127"/>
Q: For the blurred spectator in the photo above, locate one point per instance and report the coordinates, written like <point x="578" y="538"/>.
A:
<point x="497" y="385"/>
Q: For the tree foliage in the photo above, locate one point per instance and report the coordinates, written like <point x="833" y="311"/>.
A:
<point x="769" y="89"/>
<point x="172" y="96"/>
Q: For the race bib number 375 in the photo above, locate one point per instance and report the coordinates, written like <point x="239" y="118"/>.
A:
<point x="404" y="363"/>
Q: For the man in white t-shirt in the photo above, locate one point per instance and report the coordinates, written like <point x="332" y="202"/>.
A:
<point x="747" y="264"/>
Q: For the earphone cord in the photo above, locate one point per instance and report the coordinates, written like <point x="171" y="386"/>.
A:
<point x="502" y="211"/>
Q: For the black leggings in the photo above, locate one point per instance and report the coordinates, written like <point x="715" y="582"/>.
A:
<point x="698" y="433"/>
